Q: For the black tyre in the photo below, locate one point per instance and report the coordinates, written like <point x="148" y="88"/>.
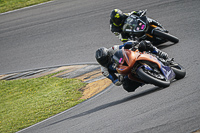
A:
<point x="150" y="78"/>
<point x="179" y="71"/>
<point x="166" y="36"/>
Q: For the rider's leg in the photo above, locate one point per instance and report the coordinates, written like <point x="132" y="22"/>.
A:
<point x="147" y="46"/>
<point x="130" y="85"/>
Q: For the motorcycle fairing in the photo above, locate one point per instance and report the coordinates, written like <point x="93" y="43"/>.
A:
<point x="168" y="72"/>
<point x="134" y="24"/>
<point x="150" y="58"/>
<point x="126" y="64"/>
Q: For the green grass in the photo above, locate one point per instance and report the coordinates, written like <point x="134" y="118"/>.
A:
<point x="24" y="102"/>
<point x="8" y="5"/>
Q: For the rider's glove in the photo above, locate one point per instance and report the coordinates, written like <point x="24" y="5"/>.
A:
<point x="138" y="13"/>
<point x="116" y="33"/>
<point x="121" y="78"/>
<point x="117" y="82"/>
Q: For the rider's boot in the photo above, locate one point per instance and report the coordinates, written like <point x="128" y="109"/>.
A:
<point x="163" y="57"/>
<point x="147" y="46"/>
<point x="159" y="53"/>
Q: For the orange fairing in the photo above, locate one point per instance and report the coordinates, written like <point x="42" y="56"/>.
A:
<point x="149" y="58"/>
<point x="128" y="61"/>
<point x="130" y="57"/>
<point x="154" y="26"/>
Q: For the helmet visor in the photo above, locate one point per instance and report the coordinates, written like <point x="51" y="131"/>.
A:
<point x="117" y="21"/>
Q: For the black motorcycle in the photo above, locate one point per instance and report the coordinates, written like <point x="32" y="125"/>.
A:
<point x="141" y="28"/>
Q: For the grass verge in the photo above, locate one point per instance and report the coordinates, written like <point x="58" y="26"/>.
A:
<point x="24" y="102"/>
<point x="8" y="5"/>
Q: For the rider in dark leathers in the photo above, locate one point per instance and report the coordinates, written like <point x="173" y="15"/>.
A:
<point x="117" y="19"/>
<point x="104" y="58"/>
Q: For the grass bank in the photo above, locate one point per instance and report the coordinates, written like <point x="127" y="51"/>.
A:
<point x="9" y="5"/>
<point x="24" y="102"/>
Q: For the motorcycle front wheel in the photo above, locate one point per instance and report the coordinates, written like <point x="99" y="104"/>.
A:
<point x="179" y="71"/>
<point x="152" y="78"/>
<point x="166" y="36"/>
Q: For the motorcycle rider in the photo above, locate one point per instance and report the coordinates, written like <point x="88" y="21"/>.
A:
<point x="108" y="69"/>
<point x="117" y="19"/>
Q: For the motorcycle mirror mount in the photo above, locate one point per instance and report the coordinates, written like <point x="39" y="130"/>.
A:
<point x="143" y="12"/>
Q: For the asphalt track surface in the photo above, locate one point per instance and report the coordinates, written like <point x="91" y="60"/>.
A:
<point x="70" y="31"/>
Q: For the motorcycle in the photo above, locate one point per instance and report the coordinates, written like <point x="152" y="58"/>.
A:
<point x="142" y="28"/>
<point x="146" y="68"/>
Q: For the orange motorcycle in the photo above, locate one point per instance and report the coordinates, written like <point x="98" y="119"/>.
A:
<point x="146" y="68"/>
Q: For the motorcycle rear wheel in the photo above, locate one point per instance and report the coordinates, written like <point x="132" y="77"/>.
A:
<point x="152" y="80"/>
<point x="166" y="36"/>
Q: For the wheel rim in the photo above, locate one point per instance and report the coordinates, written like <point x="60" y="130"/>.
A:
<point x="155" y="74"/>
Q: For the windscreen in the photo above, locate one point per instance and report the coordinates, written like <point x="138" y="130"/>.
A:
<point x="130" y="24"/>
<point x="134" y="24"/>
<point x="118" y="57"/>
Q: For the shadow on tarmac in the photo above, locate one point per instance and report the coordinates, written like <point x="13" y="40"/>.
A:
<point x="104" y="106"/>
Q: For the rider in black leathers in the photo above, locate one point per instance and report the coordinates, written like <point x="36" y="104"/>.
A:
<point x="117" y="19"/>
<point x="104" y="58"/>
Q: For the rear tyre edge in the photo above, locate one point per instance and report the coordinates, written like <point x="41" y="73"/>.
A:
<point x="167" y="36"/>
